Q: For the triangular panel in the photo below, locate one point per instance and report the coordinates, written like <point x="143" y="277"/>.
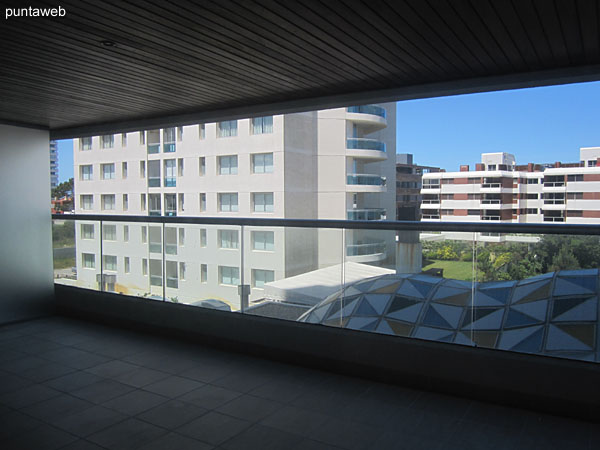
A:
<point x="536" y="309"/>
<point x="409" y="314"/>
<point x="378" y="301"/>
<point x="564" y="339"/>
<point x="511" y="338"/>
<point x="451" y="314"/>
<point x="586" y="310"/>
<point x="433" y="334"/>
<point x="516" y="319"/>
<point x="574" y="285"/>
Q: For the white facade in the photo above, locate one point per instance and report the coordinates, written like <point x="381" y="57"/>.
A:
<point x="315" y="165"/>
<point x="501" y="191"/>
<point x="53" y="164"/>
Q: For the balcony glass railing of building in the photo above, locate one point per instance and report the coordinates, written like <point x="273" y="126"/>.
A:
<point x="365" y="144"/>
<point x="365" y="180"/>
<point x="528" y="288"/>
<point x="368" y="109"/>
<point x="366" y="214"/>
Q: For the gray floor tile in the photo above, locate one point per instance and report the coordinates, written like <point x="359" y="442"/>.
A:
<point x="346" y="434"/>
<point x="18" y="366"/>
<point x="16" y="423"/>
<point x="28" y="396"/>
<point x="130" y="434"/>
<point x="209" y="396"/>
<point x="75" y="358"/>
<point x="45" y="437"/>
<point x="296" y="420"/>
<point x="135" y="402"/>
<point x="102" y="391"/>
<point x="279" y="391"/>
<point x="10" y="382"/>
<point x="309" y="444"/>
<point x="241" y="381"/>
<point x="88" y="421"/>
<point x="112" y="368"/>
<point x="47" y="371"/>
<point x="250" y="408"/>
<point x="173" y="386"/>
<point x="60" y="405"/>
<point x="172" y="414"/>
<point x="208" y="372"/>
<point x="261" y="437"/>
<point x="214" y="428"/>
<point x="73" y="381"/>
<point x="82" y="444"/>
<point x="141" y="377"/>
<point x="174" y="441"/>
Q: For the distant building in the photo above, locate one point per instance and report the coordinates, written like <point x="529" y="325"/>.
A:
<point x="53" y="164"/>
<point x="500" y="190"/>
<point x="408" y="186"/>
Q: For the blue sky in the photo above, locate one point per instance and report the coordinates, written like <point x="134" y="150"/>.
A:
<point x="540" y="125"/>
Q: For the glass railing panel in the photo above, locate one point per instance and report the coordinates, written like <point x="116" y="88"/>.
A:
<point x="291" y="270"/>
<point x="153" y="148"/>
<point x="169" y="147"/>
<point x="76" y="252"/>
<point x="368" y="109"/>
<point x="153" y="182"/>
<point x="170" y="182"/>
<point x="365" y="144"/>
<point x="365" y="180"/>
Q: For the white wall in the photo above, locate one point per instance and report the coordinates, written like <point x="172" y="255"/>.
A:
<point x="26" y="238"/>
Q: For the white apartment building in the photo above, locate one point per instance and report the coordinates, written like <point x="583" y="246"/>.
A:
<point x="500" y="190"/>
<point x="330" y="164"/>
<point x="53" y="164"/>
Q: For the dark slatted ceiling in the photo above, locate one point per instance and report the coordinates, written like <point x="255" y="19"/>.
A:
<point x="187" y="60"/>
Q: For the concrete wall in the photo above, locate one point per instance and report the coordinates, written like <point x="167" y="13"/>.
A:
<point x="26" y="238"/>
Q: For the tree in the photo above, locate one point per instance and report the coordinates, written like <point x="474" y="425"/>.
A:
<point x="63" y="189"/>
<point x="564" y="259"/>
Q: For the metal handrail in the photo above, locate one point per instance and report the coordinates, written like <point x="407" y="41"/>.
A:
<point x="397" y="225"/>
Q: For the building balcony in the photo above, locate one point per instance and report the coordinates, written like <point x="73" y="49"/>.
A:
<point x="153" y="148"/>
<point x="369" y="117"/>
<point x="169" y="147"/>
<point x="366" y="214"/>
<point x="366" y="253"/>
<point x="364" y="148"/>
<point x="170" y="181"/>
<point x="365" y="183"/>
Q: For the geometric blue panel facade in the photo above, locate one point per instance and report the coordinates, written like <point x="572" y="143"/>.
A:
<point x="554" y="314"/>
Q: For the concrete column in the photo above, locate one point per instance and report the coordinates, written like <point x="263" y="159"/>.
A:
<point x="409" y="255"/>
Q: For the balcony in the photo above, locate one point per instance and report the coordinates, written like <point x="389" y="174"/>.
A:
<point x="153" y="182"/>
<point x="366" y="214"/>
<point x="365" y="183"/>
<point x="153" y="148"/>
<point x="170" y="181"/>
<point x="364" y="148"/>
<point x="366" y="253"/>
<point x="169" y="147"/>
<point x="369" y="117"/>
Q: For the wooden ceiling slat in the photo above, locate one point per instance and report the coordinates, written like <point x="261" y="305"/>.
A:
<point x="590" y="34"/>
<point x="571" y="31"/>
<point x="552" y="29"/>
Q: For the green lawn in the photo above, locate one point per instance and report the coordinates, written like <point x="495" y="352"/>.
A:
<point x="459" y="270"/>
<point x="64" y="263"/>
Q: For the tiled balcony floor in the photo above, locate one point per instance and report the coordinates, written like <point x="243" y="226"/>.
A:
<point x="67" y="384"/>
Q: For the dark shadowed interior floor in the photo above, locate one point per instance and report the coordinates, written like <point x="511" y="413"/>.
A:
<point x="68" y="384"/>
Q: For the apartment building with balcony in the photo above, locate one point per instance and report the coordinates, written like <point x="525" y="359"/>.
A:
<point x="500" y="190"/>
<point x="53" y="164"/>
<point x="330" y="164"/>
<point x="408" y="186"/>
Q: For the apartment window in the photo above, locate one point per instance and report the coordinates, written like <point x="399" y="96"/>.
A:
<point x="124" y="170"/>
<point x="155" y="239"/>
<point x="202" y="202"/>
<point x="170" y="241"/>
<point x="144" y="267"/>
<point x="154" y="204"/>
<point x="170" y="174"/>
<point x="153" y="142"/>
<point x="179" y="134"/>
<point x="228" y="165"/>
<point x="182" y="271"/>
<point x="107" y="141"/>
<point x="262" y="125"/>
<point x="262" y="163"/>
<point x="228" y="202"/>
<point x="575" y="195"/>
<point x="228" y="239"/>
<point x="88" y="260"/>
<point x="125" y="233"/>
<point x="263" y="240"/>
<point x="229" y="275"/>
<point x="171" y="269"/>
<point x="574" y="213"/>
<point x="87" y="201"/>
<point x="576" y="177"/>
<point x="109" y="262"/>
<point x="85" y="143"/>
<point x="155" y="272"/>
<point x="142" y="169"/>
<point x="123" y="139"/>
<point x="533" y="181"/>
<point x="263" y="202"/>
<point x="492" y="167"/>
<point x="201" y="131"/>
<point x="260" y="277"/>
<point x="181" y="202"/>
<point x="125" y="202"/>
<point x="591" y="163"/>
<point x="154" y="173"/>
<point x="108" y="202"/>
<point x="201" y="165"/>
<point x="227" y="128"/>
<point x="144" y="234"/>
<point x="170" y="205"/>
<point x="203" y="273"/>
<point x="142" y="138"/>
<point x="126" y="264"/>
<point x="86" y="173"/>
<point x="108" y="171"/>
<point x="143" y="202"/>
<point x="203" y="237"/>
<point x="180" y="167"/>
<point x="473" y="212"/>
<point x="109" y="232"/>
<point x="181" y="236"/>
<point x="169" y="140"/>
<point x="87" y="231"/>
